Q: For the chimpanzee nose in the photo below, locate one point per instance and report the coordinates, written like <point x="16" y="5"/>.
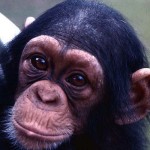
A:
<point x="48" y="95"/>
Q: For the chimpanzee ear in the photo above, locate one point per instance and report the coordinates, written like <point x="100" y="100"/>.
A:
<point x="140" y="97"/>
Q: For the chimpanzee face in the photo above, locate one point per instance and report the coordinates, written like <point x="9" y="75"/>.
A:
<point x="56" y="91"/>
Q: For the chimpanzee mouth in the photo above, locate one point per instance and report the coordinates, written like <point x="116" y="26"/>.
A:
<point x="36" y="134"/>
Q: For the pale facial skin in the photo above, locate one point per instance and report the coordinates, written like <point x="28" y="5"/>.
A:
<point x="55" y="91"/>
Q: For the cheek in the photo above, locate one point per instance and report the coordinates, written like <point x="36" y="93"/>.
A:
<point x="83" y="108"/>
<point x="88" y="99"/>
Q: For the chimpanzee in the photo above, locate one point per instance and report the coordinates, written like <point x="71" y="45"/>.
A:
<point x="78" y="79"/>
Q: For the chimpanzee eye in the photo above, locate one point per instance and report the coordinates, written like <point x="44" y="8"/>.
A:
<point x="77" y="80"/>
<point x="39" y="62"/>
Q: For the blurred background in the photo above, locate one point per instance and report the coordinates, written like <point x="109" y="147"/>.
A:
<point x="136" y="11"/>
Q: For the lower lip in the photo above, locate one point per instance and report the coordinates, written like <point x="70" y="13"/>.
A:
<point x="33" y="134"/>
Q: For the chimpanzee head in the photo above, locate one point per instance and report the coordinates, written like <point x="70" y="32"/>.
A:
<point x="79" y="80"/>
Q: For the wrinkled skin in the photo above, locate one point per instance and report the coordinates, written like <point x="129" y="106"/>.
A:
<point x="50" y="103"/>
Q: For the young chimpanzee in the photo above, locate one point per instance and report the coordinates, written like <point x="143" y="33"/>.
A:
<point x="79" y="80"/>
